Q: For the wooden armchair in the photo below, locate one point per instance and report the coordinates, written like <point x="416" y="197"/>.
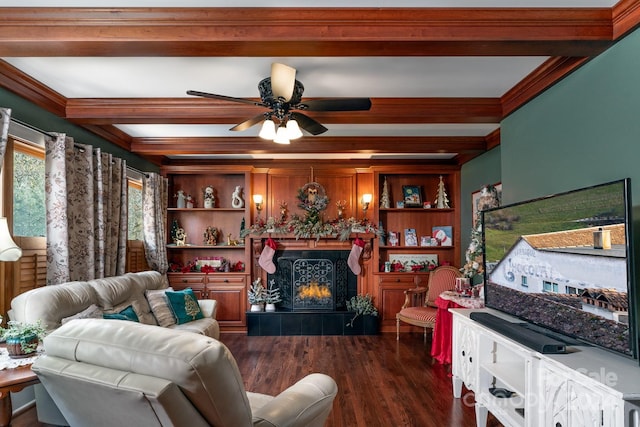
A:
<point x="419" y="307"/>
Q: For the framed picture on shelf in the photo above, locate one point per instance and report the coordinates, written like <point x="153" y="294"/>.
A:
<point x="412" y="196"/>
<point x="442" y="234"/>
<point x="394" y="239"/>
<point x="410" y="237"/>
<point x="476" y="201"/>
<point x="413" y="262"/>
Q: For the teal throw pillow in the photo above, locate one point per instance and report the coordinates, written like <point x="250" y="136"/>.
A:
<point x="184" y="305"/>
<point x="126" y="314"/>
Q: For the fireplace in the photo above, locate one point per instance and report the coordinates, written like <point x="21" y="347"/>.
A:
<point x="313" y="280"/>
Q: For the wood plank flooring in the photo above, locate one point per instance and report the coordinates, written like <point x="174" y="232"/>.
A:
<point x="381" y="381"/>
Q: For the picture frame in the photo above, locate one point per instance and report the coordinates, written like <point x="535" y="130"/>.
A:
<point x="442" y="234"/>
<point x="412" y="196"/>
<point x="410" y="237"/>
<point x="415" y="262"/>
<point x="475" y="201"/>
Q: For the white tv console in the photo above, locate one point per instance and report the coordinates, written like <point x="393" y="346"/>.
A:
<point x="587" y="386"/>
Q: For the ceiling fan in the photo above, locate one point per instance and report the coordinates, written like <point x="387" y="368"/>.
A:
<point x="282" y="95"/>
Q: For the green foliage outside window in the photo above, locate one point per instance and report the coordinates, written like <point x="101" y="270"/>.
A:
<point x="29" y="210"/>
<point x="135" y="213"/>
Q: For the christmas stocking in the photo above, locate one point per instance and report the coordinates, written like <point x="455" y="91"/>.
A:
<point x="266" y="257"/>
<point x="354" y="256"/>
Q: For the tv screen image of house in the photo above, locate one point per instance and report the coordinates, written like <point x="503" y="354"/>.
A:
<point x="561" y="262"/>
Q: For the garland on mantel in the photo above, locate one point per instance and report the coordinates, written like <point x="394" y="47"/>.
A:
<point x="312" y="200"/>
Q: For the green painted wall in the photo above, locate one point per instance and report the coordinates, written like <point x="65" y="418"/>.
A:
<point x="33" y="115"/>
<point x="480" y="171"/>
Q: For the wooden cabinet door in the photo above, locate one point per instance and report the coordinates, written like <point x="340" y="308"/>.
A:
<point x="230" y="292"/>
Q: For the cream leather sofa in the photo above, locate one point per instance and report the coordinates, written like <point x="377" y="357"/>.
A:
<point x="105" y="373"/>
<point x="53" y="305"/>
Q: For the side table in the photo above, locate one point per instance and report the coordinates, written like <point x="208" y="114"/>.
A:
<point x="442" y="331"/>
<point x="13" y="379"/>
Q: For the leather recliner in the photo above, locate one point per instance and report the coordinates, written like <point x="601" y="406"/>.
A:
<point x="114" y="372"/>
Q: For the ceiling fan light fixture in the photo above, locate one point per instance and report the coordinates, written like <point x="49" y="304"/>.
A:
<point x="282" y="136"/>
<point x="293" y="130"/>
<point x="268" y="130"/>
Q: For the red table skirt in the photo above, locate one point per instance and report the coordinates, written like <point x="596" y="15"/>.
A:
<point x="442" y="333"/>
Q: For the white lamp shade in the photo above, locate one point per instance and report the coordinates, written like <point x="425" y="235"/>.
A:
<point x="257" y="198"/>
<point x="268" y="130"/>
<point x="293" y="130"/>
<point x="9" y="251"/>
<point x="366" y="198"/>
<point x="282" y="136"/>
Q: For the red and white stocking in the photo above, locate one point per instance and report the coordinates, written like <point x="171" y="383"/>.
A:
<point x="266" y="257"/>
<point x="354" y="256"/>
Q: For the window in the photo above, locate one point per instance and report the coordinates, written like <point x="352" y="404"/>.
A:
<point x="29" y="210"/>
<point x="549" y="286"/>
<point x="135" y="209"/>
<point x="572" y="291"/>
<point x="523" y="281"/>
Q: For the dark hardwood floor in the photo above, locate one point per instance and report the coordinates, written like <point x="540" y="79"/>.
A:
<point x="381" y="381"/>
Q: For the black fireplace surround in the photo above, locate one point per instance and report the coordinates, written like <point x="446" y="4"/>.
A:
<point x="319" y="315"/>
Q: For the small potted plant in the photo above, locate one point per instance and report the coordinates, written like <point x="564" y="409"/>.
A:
<point x="362" y="306"/>
<point x="257" y="295"/>
<point x="22" y="338"/>
<point x="272" y="296"/>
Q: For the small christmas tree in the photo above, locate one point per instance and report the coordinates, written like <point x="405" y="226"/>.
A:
<point x="174" y="230"/>
<point x="385" y="201"/>
<point x="442" y="201"/>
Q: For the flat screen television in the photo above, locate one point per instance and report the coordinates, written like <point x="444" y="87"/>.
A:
<point x="564" y="263"/>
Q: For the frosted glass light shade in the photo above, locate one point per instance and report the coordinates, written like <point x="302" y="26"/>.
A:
<point x="282" y="136"/>
<point x="9" y="251"/>
<point x="268" y="130"/>
<point x="293" y="130"/>
<point x="257" y="198"/>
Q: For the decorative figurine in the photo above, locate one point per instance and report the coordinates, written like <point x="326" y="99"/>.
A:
<point x="211" y="236"/>
<point x="284" y="209"/>
<point x="441" y="197"/>
<point x="385" y="200"/>
<point x="209" y="197"/>
<point x="190" y="202"/>
<point x="236" y="198"/>
<point x="180" y="199"/>
<point x="340" y="204"/>
<point x="181" y="237"/>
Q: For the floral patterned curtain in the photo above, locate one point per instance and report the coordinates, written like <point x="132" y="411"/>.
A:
<point x="86" y="194"/>
<point x="5" y="115"/>
<point x="155" y="201"/>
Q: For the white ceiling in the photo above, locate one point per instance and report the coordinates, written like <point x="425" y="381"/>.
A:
<point x="397" y="77"/>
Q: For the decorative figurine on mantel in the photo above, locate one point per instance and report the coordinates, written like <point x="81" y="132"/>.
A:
<point x="211" y="236"/>
<point x="180" y="199"/>
<point x="385" y="200"/>
<point x="181" y="237"/>
<point x="441" y="197"/>
<point x="341" y="204"/>
<point x="284" y="209"/>
<point x="237" y="201"/>
<point x="209" y="197"/>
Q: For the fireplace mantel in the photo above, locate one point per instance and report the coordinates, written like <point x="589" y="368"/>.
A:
<point x="291" y="242"/>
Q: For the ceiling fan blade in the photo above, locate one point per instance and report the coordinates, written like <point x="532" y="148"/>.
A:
<point x="248" y="123"/>
<point x="336" y="104"/>
<point x="283" y="79"/>
<point x="307" y="123"/>
<point x="224" y="98"/>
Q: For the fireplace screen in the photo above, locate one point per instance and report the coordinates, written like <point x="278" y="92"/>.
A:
<point x="313" y="284"/>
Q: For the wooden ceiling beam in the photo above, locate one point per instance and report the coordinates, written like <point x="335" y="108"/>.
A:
<point x="102" y="111"/>
<point x="318" y="144"/>
<point x="304" y="31"/>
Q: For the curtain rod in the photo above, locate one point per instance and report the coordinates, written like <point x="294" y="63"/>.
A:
<point x="77" y="145"/>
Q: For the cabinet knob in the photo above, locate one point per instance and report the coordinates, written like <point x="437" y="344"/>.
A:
<point x="226" y="280"/>
<point x="184" y="280"/>
<point x="398" y="280"/>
